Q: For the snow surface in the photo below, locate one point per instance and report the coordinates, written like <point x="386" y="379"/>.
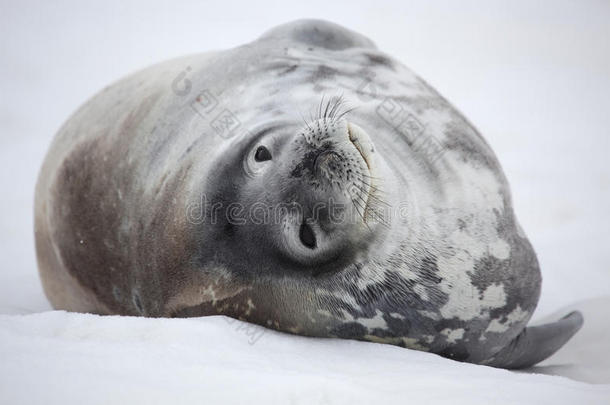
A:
<point x="92" y="359"/>
<point x="534" y="79"/>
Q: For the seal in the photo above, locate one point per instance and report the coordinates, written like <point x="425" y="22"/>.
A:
<point x="306" y="182"/>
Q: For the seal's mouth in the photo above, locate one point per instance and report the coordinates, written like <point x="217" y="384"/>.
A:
<point x="362" y="142"/>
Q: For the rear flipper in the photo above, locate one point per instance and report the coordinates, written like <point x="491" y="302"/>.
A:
<point x="536" y="343"/>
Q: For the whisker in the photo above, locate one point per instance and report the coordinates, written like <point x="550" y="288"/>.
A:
<point x="371" y="204"/>
<point x="305" y="121"/>
<point x="374" y="213"/>
<point x="327" y="107"/>
<point x="344" y="113"/>
<point x="361" y="214"/>
<point x="368" y="176"/>
<point x="338" y="103"/>
<point x="320" y="107"/>
<point x="374" y="188"/>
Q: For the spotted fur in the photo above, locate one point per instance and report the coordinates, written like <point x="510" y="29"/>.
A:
<point x="433" y="260"/>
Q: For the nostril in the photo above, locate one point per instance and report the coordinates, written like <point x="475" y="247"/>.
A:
<point x="307" y="236"/>
<point x="327" y="160"/>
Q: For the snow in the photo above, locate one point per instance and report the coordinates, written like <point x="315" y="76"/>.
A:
<point x="533" y="78"/>
<point x="92" y="359"/>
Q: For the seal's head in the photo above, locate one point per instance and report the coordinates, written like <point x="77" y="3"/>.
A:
<point x="299" y="199"/>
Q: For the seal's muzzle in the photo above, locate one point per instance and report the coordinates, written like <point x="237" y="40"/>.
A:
<point x="331" y="165"/>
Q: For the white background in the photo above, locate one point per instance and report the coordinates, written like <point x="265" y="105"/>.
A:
<point x="533" y="77"/>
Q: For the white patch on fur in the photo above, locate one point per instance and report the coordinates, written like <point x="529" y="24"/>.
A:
<point x="500" y="249"/>
<point x="421" y="291"/>
<point x="477" y="239"/>
<point x="325" y="313"/>
<point x="250" y="305"/>
<point x="517" y="315"/>
<point x="453" y="335"/>
<point x="341" y="296"/>
<point x="465" y="302"/>
<point x="376" y="322"/>
<point x="412" y="343"/>
<point x="429" y="314"/>
<point x="371" y="275"/>
<point x="347" y="317"/>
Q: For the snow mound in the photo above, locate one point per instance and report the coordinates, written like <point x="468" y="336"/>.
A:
<point x="59" y="357"/>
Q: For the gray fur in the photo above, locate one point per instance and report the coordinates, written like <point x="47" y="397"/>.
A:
<point x="453" y="274"/>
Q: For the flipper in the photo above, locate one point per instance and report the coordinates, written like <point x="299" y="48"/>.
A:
<point x="536" y="343"/>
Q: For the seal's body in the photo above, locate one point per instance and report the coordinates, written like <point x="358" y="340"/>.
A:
<point x="239" y="183"/>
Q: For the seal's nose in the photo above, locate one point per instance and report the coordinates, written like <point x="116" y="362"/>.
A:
<point x="327" y="162"/>
<point x="333" y="181"/>
<point x="343" y="141"/>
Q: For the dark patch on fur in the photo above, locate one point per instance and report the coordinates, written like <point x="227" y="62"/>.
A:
<point x="397" y="326"/>
<point x="470" y="148"/>
<point x="307" y="164"/>
<point x="97" y="231"/>
<point x="321" y="34"/>
<point x="429" y="271"/>
<point x="323" y="72"/>
<point x="455" y="353"/>
<point x="288" y="70"/>
<point x="351" y="330"/>
<point x="377" y="59"/>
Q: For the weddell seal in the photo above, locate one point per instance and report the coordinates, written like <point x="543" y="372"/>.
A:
<point x="306" y="182"/>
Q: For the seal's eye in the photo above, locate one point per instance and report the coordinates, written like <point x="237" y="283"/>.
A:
<point x="262" y="154"/>
<point x="308" y="238"/>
